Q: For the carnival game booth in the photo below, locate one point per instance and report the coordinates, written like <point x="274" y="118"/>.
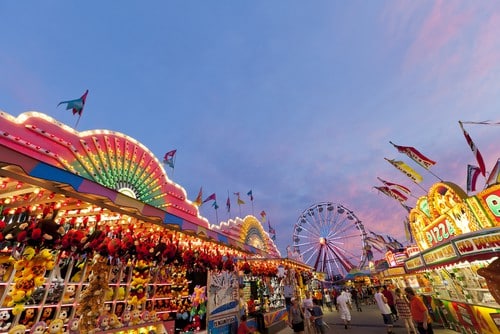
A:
<point x="267" y="283"/>
<point x="458" y="266"/>
<point x="96" y="238"/>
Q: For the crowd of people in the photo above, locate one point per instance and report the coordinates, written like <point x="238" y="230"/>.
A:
<point x="306" y="316"/>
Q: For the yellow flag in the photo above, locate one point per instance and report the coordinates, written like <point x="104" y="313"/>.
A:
<point x="405" y="169"/>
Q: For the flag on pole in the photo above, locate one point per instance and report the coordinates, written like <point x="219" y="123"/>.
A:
<point x="395" y="185"/>
<point x="272" y="231"/>
<point x="415" y="155"/>
<point x="214" y="204"/>
<point x="263" y="215"/>
<point x="199" y="199"/>
<point x="228" y="204"/>
<point x="472" y="175"/>
<point x="210" y="198"/>
<point x="76" y="105"/>
<point x="239" y="201"/>
<point x="393" y="193"/>
<point x="494" y="176"/>
<point x="168" y="159"/>
<point x="475" y="150"/>
<point x="405" y="169"/>
<point x="250" y="194"/>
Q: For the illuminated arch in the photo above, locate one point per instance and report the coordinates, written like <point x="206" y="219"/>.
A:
<point x="109" y="158"/>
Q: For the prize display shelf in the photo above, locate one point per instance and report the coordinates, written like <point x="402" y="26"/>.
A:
<point x="160" y="300"/>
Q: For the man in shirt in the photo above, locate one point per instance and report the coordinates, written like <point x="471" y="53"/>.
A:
<point x="419" y="312"/>
<point x="344" y="307"/>
<point x="384" y="309"/>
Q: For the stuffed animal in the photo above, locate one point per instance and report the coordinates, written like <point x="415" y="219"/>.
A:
<point x="114" y="321"/>
<point x="17" y="329"/>
<point x="64" y="314"/>
<point x="126" y="317"/>
<point x="135" y="317"/>
<point x="103" y="322"/>
<point x="56" y="327"/>
<point x="28" y="317"/>
<point x="5" y="320"/>
<point x="69" y="293"/>
<point x="74" y="326"/>
<point x="38" y="328"/>
<point x="48" y="232"/>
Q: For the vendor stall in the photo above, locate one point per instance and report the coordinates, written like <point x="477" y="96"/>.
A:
<point x="459" y="238"/>
<point x="267" y="283"/>
<point x="96" y="238"/>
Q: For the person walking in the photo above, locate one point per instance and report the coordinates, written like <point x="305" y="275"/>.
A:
<point x="307" y="305"/>
<point x="355" y="298"/>
<point x="381" y="302"/>
<point x="328" y="300"/>
<point x="296" y="317"/>
<point x="403" y="308"/>
<point x="317" y="318"/>
<point x="344" y="307"/>
<point x="419" y="312"/>
<point x="390" y="301"/>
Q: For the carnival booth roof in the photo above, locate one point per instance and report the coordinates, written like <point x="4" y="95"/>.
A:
<point x="44" y="162"/>
<point x="249" y="231"/>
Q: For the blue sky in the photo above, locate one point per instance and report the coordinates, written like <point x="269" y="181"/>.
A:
<point x="294" y="100"/>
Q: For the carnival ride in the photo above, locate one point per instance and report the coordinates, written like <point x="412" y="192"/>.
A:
<point x="330" y="238"/>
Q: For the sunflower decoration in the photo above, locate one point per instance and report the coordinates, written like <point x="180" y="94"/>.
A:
<point x="30" y="274"/>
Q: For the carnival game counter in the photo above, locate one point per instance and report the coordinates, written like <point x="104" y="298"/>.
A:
<point x="269" y="322"/>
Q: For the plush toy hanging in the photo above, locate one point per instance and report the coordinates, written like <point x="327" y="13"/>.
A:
<point x="92" y="300"/>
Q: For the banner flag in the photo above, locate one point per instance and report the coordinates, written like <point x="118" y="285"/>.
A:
<point x="475" y="150"/>
<point x="405" y="169"/>
<point x="472" y="175"/>
<point x="415" y="155"/>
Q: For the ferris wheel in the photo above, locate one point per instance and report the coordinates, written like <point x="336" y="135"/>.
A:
<point x="330" y="238"/>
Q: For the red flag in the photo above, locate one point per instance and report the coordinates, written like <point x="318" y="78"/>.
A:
<point x="395" y="185"/>
<point x="415" y="155"/>
<point x="210" y="198"/>
<point x="475" y="150"/>
<point x="472" y="175"/>
<point x="393" y="193"/>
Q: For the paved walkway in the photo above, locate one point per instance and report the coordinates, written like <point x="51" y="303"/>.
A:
<point x="366" y="322"/>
